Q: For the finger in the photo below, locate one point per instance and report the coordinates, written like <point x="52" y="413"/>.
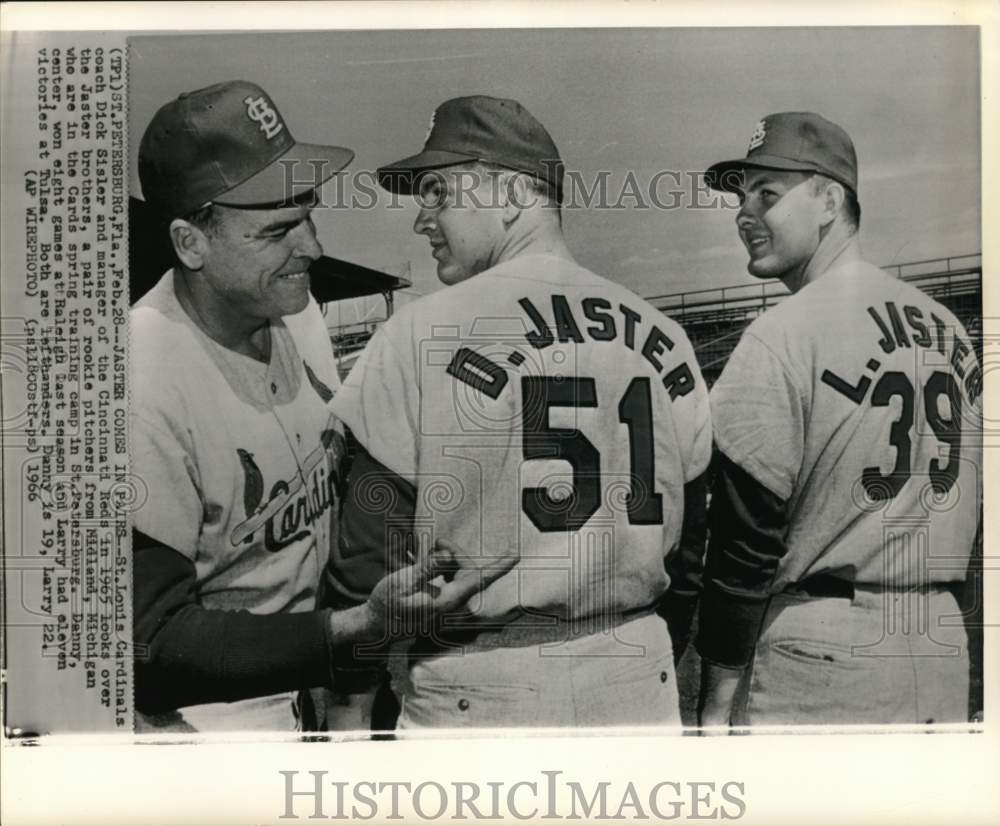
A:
<point x="501" y="565"/>
<point x="470" y="581"/>
<point x="414" y="577"/>
<point x="493" y="567"/>
<point x="445" y="559"/>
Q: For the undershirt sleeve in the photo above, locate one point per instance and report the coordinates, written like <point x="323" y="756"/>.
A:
<point x="685" y="567"/>
<point x="749" y="527"/>
<point x="187" y="654"/>
<point x="376" y="531"/>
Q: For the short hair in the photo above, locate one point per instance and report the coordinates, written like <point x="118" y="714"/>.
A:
<point x="206" y="218"/>
<point x="545" y="190"/>
<point x="851" y="209"/>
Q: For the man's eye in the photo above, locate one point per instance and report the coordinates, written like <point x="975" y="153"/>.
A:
<point x="431" y="196"/>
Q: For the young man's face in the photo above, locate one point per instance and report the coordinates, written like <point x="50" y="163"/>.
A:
<point x="257" y="260"/>
<point x="462" y="218"/>
<point x="779" y="221"/>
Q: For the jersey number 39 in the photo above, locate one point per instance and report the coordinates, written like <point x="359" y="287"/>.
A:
<point x="880" y="486"/>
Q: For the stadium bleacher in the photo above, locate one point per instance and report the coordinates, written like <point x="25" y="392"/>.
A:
<point x="716" y="318"/>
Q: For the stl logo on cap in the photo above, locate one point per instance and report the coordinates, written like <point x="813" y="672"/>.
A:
<point x="758" y="136"/>
<point x="260" y="111"/>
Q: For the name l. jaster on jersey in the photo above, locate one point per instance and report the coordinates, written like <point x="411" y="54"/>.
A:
<point x="612" y="324"/>
<point x="916" y="331"/>
<point x="292" y="506"/>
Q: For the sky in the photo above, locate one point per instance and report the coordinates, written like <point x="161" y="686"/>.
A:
<point x="628" y="104"/>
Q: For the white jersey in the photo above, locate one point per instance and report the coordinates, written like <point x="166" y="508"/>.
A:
<point x="857" y="401"/>
<point x="540" y="405"/>
<point x="241" y="459"/>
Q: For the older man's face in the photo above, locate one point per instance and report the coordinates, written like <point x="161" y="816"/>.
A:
<point x="461" y="216"/>
<point x="257" y="261"/>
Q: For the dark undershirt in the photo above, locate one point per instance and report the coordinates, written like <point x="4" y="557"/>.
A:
<point x="748" y="528"/>
<point x="685" y="567"/>
<point x="188" y="654"/>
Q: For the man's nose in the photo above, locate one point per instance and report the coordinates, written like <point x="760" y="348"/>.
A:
<point x="307" y="245"/>
<point x="424" y="223"/>
<point x="747" y="213"/>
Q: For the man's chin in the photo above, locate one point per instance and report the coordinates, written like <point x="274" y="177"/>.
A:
<point x="761" y="268"/>
<point x="448" y="273"/>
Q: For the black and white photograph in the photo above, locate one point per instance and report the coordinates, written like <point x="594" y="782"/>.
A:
<point x="575" y="392"/>
<point x="694" y="438"/>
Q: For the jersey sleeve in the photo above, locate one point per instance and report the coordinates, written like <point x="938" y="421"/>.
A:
<point x="693" y="414"/>
<point x="380" y="402"/>
<point x="758" y="416"/>
<point x="173" y="512"/>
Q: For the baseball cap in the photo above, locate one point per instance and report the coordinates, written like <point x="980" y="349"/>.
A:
<point x="479" y="128"/>
<point x="228" y="144"/>
<point x="795" y="141"/>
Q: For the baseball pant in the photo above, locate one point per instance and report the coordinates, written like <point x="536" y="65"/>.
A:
<point x="881" y="657"/>
<point x="274" y="713"/>
<point x="621" y="677"/>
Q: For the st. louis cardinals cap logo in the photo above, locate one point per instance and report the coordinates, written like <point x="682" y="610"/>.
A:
<point x="260" y="111"/>
<point x="758" y="136"/>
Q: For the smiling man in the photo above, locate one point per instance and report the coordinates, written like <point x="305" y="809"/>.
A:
<point x="531" y="402"/>
<point x="848" y="422"/>
<point x="232" y="437"/>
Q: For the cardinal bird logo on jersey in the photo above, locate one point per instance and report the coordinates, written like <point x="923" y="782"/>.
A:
<point x="325" y="393"/>
<point x="253" y="482"/>
<point x="295" y="503"/>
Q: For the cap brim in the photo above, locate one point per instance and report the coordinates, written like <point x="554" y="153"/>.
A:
<point x="727" y="176"/>
<point x="300" y="170"/>
<point x="402" y="177"/>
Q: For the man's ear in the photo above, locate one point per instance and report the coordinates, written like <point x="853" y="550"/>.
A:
<point x="833" y="202"/>
<point x="516" y="195"/>
<point x="189" y="242"/>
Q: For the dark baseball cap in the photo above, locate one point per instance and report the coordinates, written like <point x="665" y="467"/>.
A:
<point x="228" y="144"/>
<point x="793" y="141"/>
<point x="479" y="128"/>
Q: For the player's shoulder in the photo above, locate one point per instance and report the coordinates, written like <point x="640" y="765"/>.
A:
<point x="162" y="354"/>
<point x="156" y="323"/>
<point x="583" y="284"/>
<point x="308" y="328"/>
<point x="825" y="305"/>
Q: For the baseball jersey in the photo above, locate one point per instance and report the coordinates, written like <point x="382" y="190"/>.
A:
<point x="856" y="401"/>
<point x="539" y="405"/>
<point x="240" y="459"/>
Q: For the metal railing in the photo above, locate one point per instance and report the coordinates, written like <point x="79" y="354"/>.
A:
<point x="938" y="276"/>
<point x="350" y="337"/>
<point x="955" y="275"/>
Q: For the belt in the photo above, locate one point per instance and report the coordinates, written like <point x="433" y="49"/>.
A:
<point x="834" y="587"/>
<point x="524" y="630"/>
<point x="824" y="585"/>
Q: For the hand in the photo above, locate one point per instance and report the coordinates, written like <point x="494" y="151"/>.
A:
<point x="411" y="598"/>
